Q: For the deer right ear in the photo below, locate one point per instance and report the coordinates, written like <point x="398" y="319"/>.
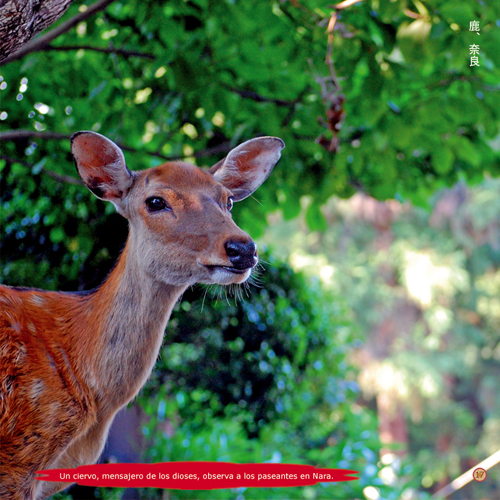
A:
<point x="101" y="165"/>
<point x="247" y="166"/>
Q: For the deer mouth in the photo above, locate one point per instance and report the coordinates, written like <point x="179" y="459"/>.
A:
<point x="225" y="275"/>
<point x="230" y="269"/>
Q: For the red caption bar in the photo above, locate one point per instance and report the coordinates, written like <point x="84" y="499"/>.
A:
<point x="197" y="475"/>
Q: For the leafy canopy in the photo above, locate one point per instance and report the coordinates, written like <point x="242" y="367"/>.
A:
<point x="170" y="79"/>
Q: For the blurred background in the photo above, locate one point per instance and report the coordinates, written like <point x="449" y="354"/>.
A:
<point x="369" y="336"/>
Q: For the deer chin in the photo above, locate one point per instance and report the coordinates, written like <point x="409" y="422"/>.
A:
<point x="225" y="275"/>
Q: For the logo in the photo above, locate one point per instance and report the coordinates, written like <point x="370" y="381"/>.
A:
<point x="479" y="474"/>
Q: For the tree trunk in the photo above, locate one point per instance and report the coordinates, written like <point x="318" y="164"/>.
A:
<point x="392" y="425"/>
<point x="21" y="20"/>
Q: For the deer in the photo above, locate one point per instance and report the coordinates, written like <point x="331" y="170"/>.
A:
<point x="70" y="361"/>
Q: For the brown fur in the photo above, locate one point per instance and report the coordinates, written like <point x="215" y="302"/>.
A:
<point x="69" y="362"/>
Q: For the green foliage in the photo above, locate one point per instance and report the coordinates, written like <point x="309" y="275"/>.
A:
<point x="186" y="76"/>
<point x="263" y="380"/>
<point x="198" y="74"/>
<point x="423" y="288"/>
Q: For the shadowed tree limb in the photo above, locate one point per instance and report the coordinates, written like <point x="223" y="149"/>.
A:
<point x="58" y="177"/>
<point x="121" y="52"/>
<point x="38" y="43"/>
<point x="249" y="94"/>
<point x="21" y="20"/>
<point x="18" y="135"/>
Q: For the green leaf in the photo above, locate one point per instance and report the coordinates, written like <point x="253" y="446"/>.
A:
<point x="442" y="160"/>
<point x="315" y="218"/>
<point x="57" y="235"/>
<point x="97" y="90"/>
<point x="464" y="150"/>
<point x="38" y="166"/>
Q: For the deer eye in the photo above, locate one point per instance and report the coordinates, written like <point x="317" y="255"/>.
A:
<point x="230" y="202"/>
<point x="155" y="204"/>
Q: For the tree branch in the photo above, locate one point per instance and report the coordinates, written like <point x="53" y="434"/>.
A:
<point x="42" y="41"/>
<point x="58" y="177"/>
<point x="63" y="178"/>
<point x="122" y="52"/>
<point x="21" y="20"/>
<point x="329" y="51"/>
<point x="345" y="4"/>
<point x="17" y="135"/>
<point x="413" y="15"/>
<point x="249" y="94"/>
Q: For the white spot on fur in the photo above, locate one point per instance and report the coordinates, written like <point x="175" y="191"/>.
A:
<point x="36" y="389"/>
<point x="20" y="356"/>
<point x="37" y="300"/>
<point x="16" y="326"/>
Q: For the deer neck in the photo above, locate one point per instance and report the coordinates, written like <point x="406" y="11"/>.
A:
<point x="132" y="310"/>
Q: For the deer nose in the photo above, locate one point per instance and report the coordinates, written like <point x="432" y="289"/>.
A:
<point x="242" y="255"/>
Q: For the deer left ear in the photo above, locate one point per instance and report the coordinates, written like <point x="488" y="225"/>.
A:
<point x="247" y="166"/>
<point x="102" y="167"/>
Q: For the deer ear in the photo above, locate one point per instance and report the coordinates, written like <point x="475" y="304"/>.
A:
<point x="247" y="166"/>
<point x="101" y="165"/>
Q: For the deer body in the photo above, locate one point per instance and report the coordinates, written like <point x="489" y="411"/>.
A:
<point x="70" y="361"/>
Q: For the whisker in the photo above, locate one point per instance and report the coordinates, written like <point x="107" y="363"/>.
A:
<point x="255" y="199"/>
<point x="238" y="293"/>
<point x="256" y="278"/>
<point x="256" y="282"/>
<point x="204" y="297"/>
<point x="227" y="289"/>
